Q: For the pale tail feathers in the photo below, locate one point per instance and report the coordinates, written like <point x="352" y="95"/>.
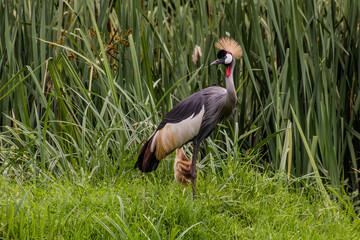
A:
<point x="182" y="167"/>
<point x="157" y="147"/>
<point x="164" y="141"/>
<point x="147" y="161"/>
<point x="174" y="135"/>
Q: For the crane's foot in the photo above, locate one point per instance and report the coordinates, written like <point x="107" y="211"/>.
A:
<point x="193" y="180"/>
<point x="193" y="169"/>
<point x="194" y="190"/>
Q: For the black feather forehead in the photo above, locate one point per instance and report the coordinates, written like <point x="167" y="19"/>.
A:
<point x="229" y="45"/>
<point x="221" y="54"/>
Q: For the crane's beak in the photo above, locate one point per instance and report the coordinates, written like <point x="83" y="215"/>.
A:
<point x="218" y="61"/>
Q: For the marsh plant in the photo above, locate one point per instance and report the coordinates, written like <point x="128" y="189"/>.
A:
<point x="83" y="83"/>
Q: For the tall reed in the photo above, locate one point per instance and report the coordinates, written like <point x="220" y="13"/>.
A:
<point x="79" y="94"/>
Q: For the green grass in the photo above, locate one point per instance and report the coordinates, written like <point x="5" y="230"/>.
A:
<point x="239" y="203"/>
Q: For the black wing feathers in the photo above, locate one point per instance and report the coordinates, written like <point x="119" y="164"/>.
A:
<point x="184" y="109"/>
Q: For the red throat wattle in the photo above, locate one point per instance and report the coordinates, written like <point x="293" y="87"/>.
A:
<point x="228" y="71"/>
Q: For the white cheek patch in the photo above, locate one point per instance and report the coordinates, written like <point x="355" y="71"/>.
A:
<point x="228" y="58"/>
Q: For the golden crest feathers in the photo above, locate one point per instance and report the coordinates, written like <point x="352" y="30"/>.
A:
<point x="230" y="45"/>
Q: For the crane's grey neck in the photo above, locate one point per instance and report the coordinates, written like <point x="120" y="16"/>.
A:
<point x="230" y="88"/>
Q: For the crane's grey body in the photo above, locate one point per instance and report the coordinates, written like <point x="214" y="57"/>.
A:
<point x="194" y="118"/>
<point x="219" y="104"/>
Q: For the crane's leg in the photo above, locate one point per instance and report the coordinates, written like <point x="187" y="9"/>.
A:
<point x="193" y="169"/>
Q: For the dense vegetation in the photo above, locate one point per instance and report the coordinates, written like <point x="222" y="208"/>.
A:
<point x="83" y="82"/>
<point x="239" y="204"/>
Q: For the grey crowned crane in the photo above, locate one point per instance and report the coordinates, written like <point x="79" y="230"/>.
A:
<point x="193" y="119"/>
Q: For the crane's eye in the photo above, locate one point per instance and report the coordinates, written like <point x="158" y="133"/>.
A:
<point x="228" y="58"/>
